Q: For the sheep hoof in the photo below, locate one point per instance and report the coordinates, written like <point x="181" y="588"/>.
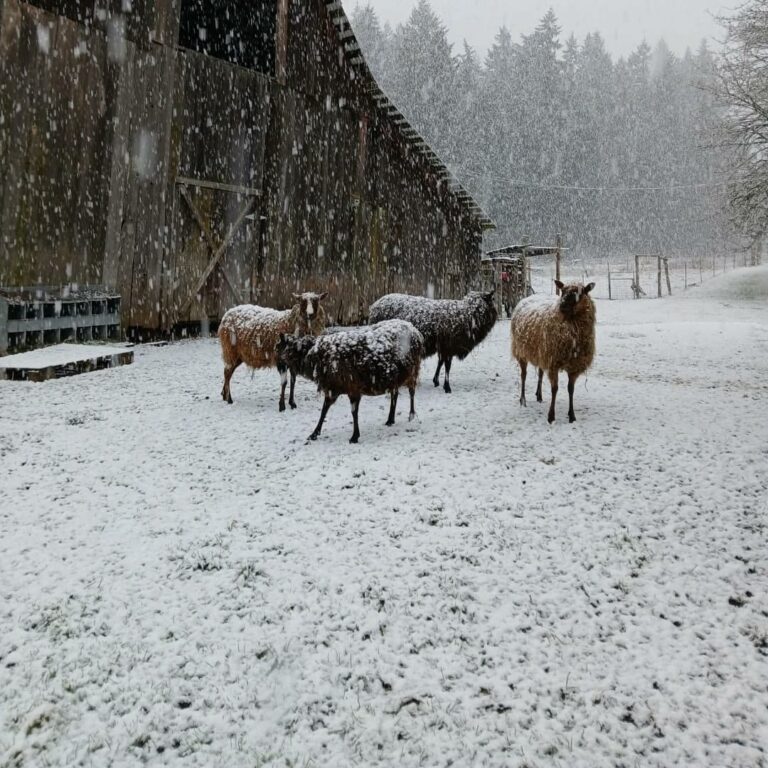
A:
<point x="293" y="406"/>
<point x="389" y="423"/>
<point x="282" y="406"/>
<point x="313" y="436"/>
<point x="354" y="438"/>
<point x="436" y="382"/>
<point x="571" y="418"/>
<point x="550" y="418"/>
<point x="411" y="416"/>
<point x="447" y="388"/>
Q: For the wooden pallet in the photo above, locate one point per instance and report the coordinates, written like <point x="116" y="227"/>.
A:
<point x="62" y="360"/>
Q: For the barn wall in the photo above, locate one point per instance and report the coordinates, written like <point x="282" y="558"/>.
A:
<point x="54" y="135"/>
<point x="129" y="161"/>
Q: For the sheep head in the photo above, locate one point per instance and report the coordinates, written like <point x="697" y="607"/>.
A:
<point x="291" y="351"/>
<point x="309" y="305"/>
<point x="574" y="298"/>
<point x="486" y="296"/>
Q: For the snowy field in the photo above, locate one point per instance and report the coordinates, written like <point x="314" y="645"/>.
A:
<point x="184" y="582"/>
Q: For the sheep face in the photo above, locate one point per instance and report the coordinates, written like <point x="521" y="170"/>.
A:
<point x="309" y="304"/>
<point x="291" y="351"/>
<point x="573" y="297"/>
<point x="486" y="296"/>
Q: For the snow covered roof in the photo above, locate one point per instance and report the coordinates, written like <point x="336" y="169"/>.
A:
<point x="355" y="57"/>
<point x="530" y="250"/>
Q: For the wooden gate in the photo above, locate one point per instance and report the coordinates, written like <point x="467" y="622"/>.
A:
<point x="213" y="255"/>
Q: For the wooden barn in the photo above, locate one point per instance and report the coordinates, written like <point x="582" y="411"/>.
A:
<point x="194" y="154"/>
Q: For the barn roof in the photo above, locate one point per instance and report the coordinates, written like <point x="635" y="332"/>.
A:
<point x="355" y="57"/>
<point x="530" y="250"/>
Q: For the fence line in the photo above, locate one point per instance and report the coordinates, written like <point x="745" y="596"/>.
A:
<point x="641" y="276"/>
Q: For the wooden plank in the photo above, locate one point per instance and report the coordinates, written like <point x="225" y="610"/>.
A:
<point x="281" y="42"/>
<point x="62" y="360"/>
<point x="236" y="188"/>
<point x="121" y="76"/>
<point x="167" y="17"/>
<point x="150" y="148"/>
<point x="198" y="218"/>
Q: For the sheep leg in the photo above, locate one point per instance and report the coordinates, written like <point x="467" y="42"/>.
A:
<point x="354" y="401"/>
<point x="412" y="393"/>
<point x="539" y="396"/>
<point x="226" y="395"/>
<point x="446" y="385"/>
<point x="283" y="383"/>
<point x="571" y="386"/>
<point x="523" y="375"/>
<point x="436" y="377"/>
<point x="327" y="403"/>
<point x="291" y="401"/>
<point x="392" y="405"/>
<point x="553" y="375"/>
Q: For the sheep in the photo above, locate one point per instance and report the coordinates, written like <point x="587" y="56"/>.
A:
<point x="555" y="333"/>
<point x="248" y="334"/>
<point x="366" y="360"/>
<point x="450" y="328"/>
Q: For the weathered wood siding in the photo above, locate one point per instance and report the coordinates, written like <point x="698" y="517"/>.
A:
<point x="54" y="135"/>
<point x="129" y="162"/>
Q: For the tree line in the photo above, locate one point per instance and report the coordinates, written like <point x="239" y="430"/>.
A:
<point x="554" y="136"/>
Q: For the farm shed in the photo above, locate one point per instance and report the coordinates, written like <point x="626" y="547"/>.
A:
<point x="508" y="270"/>
<point x="194" y="154"/>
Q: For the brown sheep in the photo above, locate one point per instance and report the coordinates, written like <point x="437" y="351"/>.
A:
<point x="249" y="334"/>
<point x="555" y="333"/>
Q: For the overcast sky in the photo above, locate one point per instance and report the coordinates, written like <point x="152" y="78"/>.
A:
<point x="623" y="23"/>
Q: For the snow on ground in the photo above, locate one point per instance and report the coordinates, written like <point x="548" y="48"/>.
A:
<point x="184" y="582"/>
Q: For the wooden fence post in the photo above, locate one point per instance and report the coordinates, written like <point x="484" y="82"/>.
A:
<point x="658" y="276"/>
<point x="685" y="267"/>
<point x="637" y="277"/>
<point x="609" y="282"/>
<point x="558" y="249"/>
<point x="666" y="271"/>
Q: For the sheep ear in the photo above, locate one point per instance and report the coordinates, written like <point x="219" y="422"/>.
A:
<point x="589" y="287"/>
<point x="296" y="296"/>
<point x="322" y="295"/>
<point x="559" y="284"/>
<point x="489" y="295"/>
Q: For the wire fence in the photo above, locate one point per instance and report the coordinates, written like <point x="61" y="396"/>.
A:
<point x="643" y="276"/>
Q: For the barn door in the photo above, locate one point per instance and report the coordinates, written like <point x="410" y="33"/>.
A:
<point x="213" y="251"/>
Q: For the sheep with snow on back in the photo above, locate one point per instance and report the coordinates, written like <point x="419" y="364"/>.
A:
<point x="555" y="333"/>
<point x="450" y="328"/>
<point x="367" y="360"/>
<point x="248" y="334"/>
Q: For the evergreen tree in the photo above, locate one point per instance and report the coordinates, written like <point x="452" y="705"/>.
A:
<point x="552" y="138"/>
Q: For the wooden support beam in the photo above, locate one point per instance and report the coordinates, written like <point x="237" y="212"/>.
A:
<point x="281" y="42"/>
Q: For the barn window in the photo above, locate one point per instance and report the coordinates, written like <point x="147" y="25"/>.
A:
<point x="240" y="32"/>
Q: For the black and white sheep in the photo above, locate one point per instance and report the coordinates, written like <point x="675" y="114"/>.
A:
<point x="451" y="328"/>
<point x="366" y="360"/>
